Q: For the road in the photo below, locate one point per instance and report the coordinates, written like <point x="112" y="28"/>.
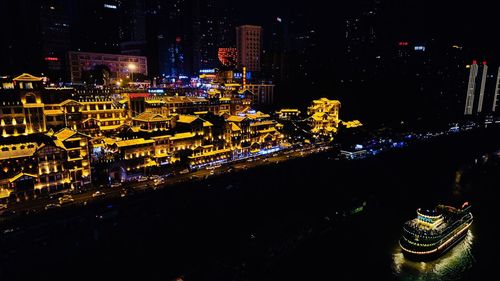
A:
<point x="130" y="188"/>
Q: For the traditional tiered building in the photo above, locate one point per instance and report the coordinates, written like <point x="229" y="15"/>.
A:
<point x="324" y="116"/>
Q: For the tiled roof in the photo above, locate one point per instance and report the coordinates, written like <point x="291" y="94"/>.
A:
<point x="187" y="119"/>
<point x="182" y="136"/>
<point x="234" y="118"/>
<point x="133" y="142"/>
<point x="64" y="134"/>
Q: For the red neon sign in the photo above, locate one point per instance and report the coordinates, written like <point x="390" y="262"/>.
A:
<point x="51" y="59"/>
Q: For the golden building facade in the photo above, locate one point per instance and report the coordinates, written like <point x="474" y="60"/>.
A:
<point x="324" y="116"/>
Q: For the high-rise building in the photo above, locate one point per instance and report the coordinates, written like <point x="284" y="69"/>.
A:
<point x="496" y="96"/>
<point x="55" y="37"/>
<point x="35" y="36"/>
<point x="361" y="46"/>
<point x="249" y="45"/>
<point x="133" y="28"/>
<point x="228" y="56"/>
<point x="89" y="14"/>
<point x="213" y="27"/>
<point x="476" y="85"/>
<point x="119" y="66"/>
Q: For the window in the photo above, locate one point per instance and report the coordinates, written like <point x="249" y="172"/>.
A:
<point x="30" y="98"/>
<point x="8" y="86"/>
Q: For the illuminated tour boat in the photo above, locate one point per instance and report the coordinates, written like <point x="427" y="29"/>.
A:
<point x="435" y="231"/>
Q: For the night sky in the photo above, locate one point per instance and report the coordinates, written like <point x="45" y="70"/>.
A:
<point x="471" y="24"/>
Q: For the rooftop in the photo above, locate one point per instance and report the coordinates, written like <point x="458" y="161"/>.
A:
<point x="132" y="142"/>
<point x="187" y="119"/>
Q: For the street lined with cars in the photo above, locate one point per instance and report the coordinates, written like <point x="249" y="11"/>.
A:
<point x="154" y="182"/>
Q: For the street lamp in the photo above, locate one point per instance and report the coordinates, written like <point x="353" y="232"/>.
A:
<point x="131" y="68"/>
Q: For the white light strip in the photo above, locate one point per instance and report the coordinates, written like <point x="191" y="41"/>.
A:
<point x="442" y="245"/>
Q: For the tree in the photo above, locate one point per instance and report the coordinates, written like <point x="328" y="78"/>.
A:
<point x="100" y="75"/>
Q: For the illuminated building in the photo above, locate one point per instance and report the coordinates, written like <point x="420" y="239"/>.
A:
<point x="287" y="114"/>
<point x="21" y="106"/>
<point x="120" y="66"/>
<point x="476" y="85"/>
<point x="219" y="106"/>
<point x="242" y="127"/>
<point x="351" y="124"/>
<point x="324" y="116"/>
<point x="184" y="105"/>
<point x="131" y="156"/>
<point x="241" y="101"/>
<point x="207" y="154"/>
<point x="78" y="158"/>
<point x="265" y="134"/>
<point x="232" y="134"/>
<point x="192" y="124"/>
<point x="228" y="56"/>
<point x="263" y="93"/>
<point x="435" y="231"/>
<point x="105" y="112"/>
<point x="150" y="121"/>
<point x="257" y="115"/>
<point x="249" y="44"/>
<point x="19" y="170"/>
<point x="28" y="108"/>
<point x="92" y="115"/>
<point x="43" y="163"/>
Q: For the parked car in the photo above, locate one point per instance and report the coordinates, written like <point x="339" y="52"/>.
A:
<point x="142" y="179"/>
<point x="159" y="181"/>
<point x="52" y="206"/>
<point x="66" y="199"/>
<point x="116" y="184"/>
<point x="98" y="194"/>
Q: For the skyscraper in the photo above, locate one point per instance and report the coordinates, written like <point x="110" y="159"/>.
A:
<point x="91" y="13"/>
<point x="35" y="36"/>
<point x="55" y="39"/>
<point x="228" y="56"/>
<point x="477" y="82"/>
<point x="133" y="27"/>
<point x="496" y="96"/>
<point x="213" y="25"/>
<point x="249" y="45"/>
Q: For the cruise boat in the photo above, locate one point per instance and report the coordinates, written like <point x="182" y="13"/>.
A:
<point x="435" y="231"/>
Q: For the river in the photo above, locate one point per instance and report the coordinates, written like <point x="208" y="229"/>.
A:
<point x="291" y="221"/>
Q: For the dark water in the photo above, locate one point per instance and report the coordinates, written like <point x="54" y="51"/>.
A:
<point x="283" y="222"/>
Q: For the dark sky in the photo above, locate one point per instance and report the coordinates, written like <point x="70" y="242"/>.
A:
<point x="473" y="24"/>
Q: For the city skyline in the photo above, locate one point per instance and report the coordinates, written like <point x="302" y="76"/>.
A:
<point x="192" y="140"/>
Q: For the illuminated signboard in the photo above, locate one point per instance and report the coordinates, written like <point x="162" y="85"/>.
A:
<point x="156" y="91"/>
<point x="420" y="48"/>
<point x="403" y="43"/>
<point x="205" y="71"/>
<point x="51" y="59"/>
<point x="109" y="6"/>
<point x="239" y="75"/>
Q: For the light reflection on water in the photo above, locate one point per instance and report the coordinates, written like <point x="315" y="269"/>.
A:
<point x="450" y="266"/>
